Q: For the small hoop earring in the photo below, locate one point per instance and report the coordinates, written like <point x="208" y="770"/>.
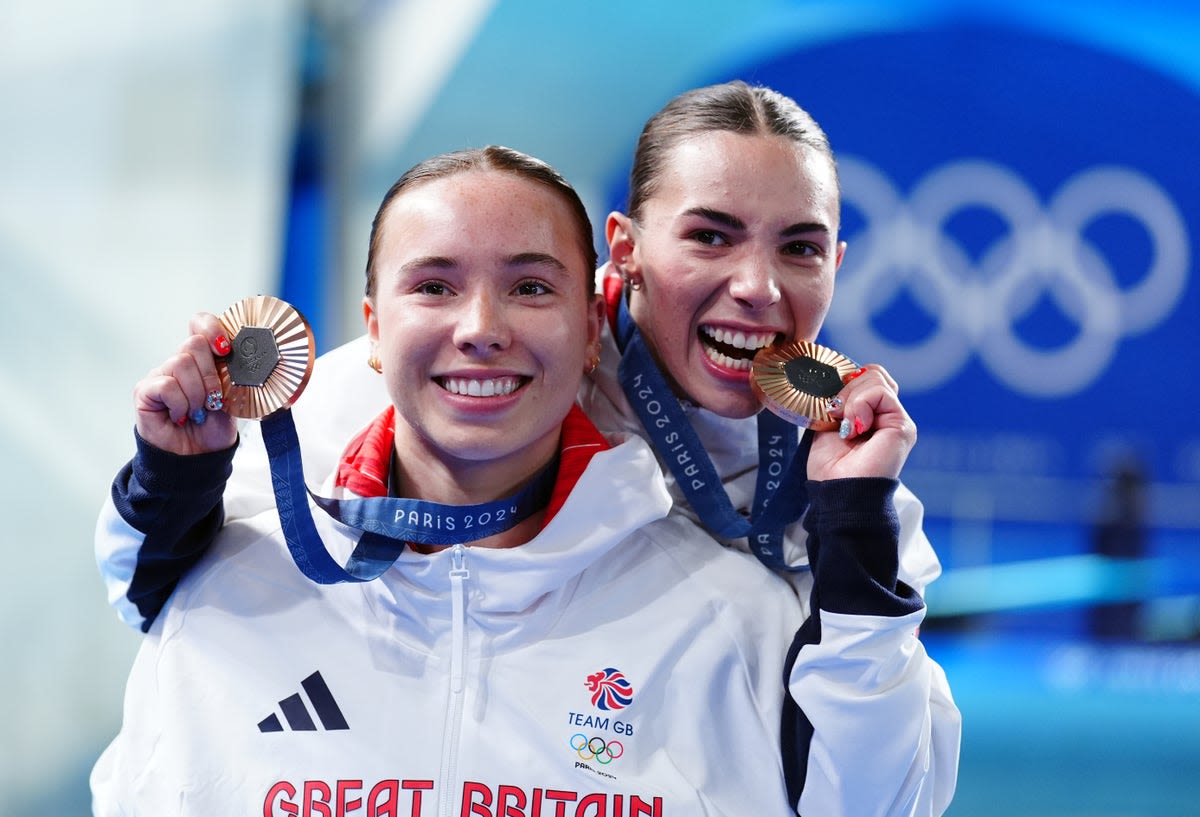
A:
<point x="634" y="281"/>
<point x="374" y="362"/>
<point x="592" y="364"/>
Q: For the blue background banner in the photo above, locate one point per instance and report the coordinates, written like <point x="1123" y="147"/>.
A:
<point x="1021" y="253"/>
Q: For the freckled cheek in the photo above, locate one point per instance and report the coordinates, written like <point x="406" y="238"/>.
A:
<point x="560" y="343"/>
<point x="677" y="342"/>
<point x="810" y="303"/>
<point x="405" y="359"/>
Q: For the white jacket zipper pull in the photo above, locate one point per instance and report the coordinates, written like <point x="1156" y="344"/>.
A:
<point x="458" y="575"/>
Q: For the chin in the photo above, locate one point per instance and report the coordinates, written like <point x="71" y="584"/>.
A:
<point x="736" y="405"/>
<point x="740" y="411"/>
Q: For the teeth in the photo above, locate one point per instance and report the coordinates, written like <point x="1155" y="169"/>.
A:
<point x="728" y="362"/>
<point x="739" y="340"/>
<point x="480" y="388"/>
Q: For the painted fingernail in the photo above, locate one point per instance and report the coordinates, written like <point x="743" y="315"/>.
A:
<point x="859" y="427"/>
<point x="198" y="416"/>
<point x="835" y="403"/>
<point x="182" y="421"/>
<point x="222" y="346"/>
<point x="213" y="401"/>
<point x="854" y="374"/>
<point x="844" y="429"/>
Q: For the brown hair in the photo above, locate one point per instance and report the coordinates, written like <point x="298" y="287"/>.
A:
<point x="492" y="157"/>
<point x="732" y="106"/>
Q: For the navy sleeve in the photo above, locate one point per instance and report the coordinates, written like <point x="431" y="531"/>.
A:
<point x="175" y="501"/>
<point x="854" y="550"/>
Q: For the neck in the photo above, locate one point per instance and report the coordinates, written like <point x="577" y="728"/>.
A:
<point x="459" y="482"/>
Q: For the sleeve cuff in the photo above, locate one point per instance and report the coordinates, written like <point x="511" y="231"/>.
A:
<point x="855" y="533"/>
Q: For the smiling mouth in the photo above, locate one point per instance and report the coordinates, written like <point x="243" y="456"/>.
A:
<point x="486" y="387"/>
<point x="732" y="349"/>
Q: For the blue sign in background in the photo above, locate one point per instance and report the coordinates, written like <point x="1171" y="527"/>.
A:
<point x="1021" y="221"/>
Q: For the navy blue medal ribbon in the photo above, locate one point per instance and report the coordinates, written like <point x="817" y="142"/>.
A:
<point x="780" y="496"/>
<point x="387" y="523"/>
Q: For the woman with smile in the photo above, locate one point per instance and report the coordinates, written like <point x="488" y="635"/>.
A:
<point x="478" y="333"/>
<point x="735" y="249"/>
<point x="730" y="243"/>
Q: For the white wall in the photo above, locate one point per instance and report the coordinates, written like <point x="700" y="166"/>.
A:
<point x="142" y="152"/>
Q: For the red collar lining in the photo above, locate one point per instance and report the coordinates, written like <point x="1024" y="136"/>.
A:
<point x="365" y="465"/>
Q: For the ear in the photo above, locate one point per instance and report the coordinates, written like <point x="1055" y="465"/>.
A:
<point x="619" y="232"/>
<point x="841" y="253"/>
<point x="371" y="318"/>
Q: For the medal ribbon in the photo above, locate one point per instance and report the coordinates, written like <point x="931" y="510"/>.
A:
<point x="780" y="496"/>
<point x="387" y="522"/>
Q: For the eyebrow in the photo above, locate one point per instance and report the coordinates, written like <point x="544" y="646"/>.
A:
<point x="539" y="258"/>
<point x="720" y="217"/>
<point x="428" y="261"/>
<point x="735" y="223"/>
<point x="804" y="227"/>
<point x="522" y="259"/>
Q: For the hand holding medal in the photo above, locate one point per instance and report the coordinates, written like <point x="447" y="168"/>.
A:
<point x="252" y="361"/>
<point x="817" y="388"/>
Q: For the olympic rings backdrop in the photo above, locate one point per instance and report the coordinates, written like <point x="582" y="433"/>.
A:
<point x="1022" y="236"/>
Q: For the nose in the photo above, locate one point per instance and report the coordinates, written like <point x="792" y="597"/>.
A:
<point x="482" y="324"/>
<point x="754" y="283"/>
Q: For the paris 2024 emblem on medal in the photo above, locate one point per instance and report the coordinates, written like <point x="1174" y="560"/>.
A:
<point x="271" y="359"/>
<point x="796" y="380"/>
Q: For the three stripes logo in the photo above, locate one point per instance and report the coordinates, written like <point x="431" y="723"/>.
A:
<point x="297" y="714"/>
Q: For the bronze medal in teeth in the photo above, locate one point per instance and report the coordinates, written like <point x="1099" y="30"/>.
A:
<point x="796" y="381"/>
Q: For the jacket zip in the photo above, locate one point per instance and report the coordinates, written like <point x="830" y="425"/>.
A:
<point x="458" y="654"/>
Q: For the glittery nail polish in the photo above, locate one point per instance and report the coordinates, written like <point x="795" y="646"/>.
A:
<point x="198" y="416"/>
<point x="214" y="402"/>
<point x="844" y="429"/>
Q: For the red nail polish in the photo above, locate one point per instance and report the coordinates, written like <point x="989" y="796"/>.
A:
<point x="853" y="375"/>
<point x="859" y="428"/>
<point x="182" y="421"/>
<point x="222" y="346"/>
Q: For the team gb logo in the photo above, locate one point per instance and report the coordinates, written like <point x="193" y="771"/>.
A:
<point x="610" y="689"/>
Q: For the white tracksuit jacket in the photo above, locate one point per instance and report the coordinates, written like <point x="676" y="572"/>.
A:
<point x="616" y="664"/>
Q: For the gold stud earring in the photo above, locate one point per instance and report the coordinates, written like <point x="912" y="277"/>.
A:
<point x="592" y="364"/>
<point x="374" y="362"/>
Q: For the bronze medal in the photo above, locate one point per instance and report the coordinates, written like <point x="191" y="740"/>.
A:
<point x="271" y="360"/>
<point x="796" y="381"/>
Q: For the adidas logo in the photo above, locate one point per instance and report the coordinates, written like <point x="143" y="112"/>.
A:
<point x="296" y="712"/>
